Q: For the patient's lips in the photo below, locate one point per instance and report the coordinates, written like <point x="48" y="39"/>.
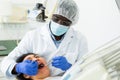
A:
<point x="40" y="66"/>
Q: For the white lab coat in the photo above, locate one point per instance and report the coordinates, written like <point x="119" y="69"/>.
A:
<point x="39" y="41"/>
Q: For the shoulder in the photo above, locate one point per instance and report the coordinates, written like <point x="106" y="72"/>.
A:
<point x="78" y="34"/>
<point x="82" y="41"/>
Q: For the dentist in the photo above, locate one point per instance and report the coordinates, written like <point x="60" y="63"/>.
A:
<point x="57" y="42"/>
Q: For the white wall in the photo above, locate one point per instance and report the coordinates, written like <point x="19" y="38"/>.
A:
<point x="99" y="21"/>
<point x="15" y="30"/>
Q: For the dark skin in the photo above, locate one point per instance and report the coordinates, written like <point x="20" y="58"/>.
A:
<point x="62" y="21"/>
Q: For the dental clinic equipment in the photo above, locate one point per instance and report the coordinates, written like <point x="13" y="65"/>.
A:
<point x="38" y="13"/>
<point x="100" y="64"/>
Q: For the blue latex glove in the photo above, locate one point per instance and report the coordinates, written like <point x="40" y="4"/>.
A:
<point x="27" y="67"/>
<point x="61" y="62"/>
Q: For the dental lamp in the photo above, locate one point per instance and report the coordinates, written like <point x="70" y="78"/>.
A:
<point x="100" y="64"/>
<point x="38" y="13"/>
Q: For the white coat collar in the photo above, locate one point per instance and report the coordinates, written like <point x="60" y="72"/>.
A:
<point x="47" y="36"/>
<point x="64" y="44"/>
<point x="67" y="38"/>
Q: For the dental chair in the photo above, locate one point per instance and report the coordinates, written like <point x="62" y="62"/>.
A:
<point x="100" y="64"/>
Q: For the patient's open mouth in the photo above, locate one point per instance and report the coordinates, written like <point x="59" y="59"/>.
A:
<point x="40" y="66"/>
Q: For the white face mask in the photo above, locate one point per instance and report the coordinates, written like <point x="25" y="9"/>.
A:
<point x="58" y="29"/>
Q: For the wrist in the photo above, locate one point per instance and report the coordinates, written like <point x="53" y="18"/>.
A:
<point x="14" y="72"/>
<point x="69" y="65"/>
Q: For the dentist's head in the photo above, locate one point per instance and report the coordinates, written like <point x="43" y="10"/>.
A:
<point x="65" y="15"/>
<point x="68" y="9"/>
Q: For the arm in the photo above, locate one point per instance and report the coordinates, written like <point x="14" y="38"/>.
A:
<point x="83" y="47"/>
<point x="8" y="63"/>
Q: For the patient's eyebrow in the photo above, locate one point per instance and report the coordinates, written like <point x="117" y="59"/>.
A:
<point x="36" y="56"/>
<point x="29" y="58"/>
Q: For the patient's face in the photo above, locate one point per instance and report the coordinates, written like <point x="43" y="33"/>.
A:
<point x="43" y="70"/>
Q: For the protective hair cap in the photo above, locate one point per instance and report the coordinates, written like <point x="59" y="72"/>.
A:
<point x="68" y="9"/>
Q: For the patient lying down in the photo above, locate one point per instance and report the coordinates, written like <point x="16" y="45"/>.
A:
<point x="43" y="70"/>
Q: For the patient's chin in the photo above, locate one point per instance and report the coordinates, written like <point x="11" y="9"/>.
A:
<point x="43" y="72"/>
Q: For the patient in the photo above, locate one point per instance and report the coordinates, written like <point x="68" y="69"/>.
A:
<point x="43" y="70"/>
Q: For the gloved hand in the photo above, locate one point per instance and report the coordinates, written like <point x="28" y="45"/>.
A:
<point x="61" y="62"/>
<point x="28" y="67"/>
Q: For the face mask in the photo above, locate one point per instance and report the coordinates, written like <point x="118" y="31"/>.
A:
<point x="58" y="29"/>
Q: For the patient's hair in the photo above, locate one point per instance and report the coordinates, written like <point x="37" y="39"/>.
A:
<point x="20" y="59"/>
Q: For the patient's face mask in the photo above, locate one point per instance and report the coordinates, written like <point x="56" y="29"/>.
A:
<point x="58" y="29"/>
